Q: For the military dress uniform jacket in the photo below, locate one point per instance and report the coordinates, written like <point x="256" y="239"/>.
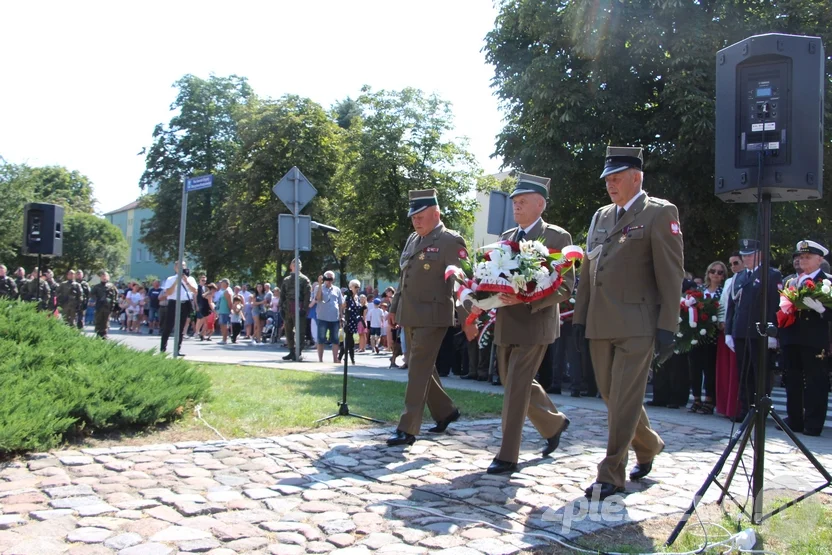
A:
<point x="70" y="294"/>
<point x="105" y="296"/>
<point x="424" y="298"/>
<point x="537" y="322"/>
<point x="744" y="303"/>
<point x="287" y="294"/>
<point x="8" y="288"/>
<point x="810" y="329"/>
<point x="632" y="271"/>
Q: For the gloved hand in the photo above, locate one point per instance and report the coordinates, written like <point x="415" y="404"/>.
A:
<point x="772" y="342"/>
<point x="729" y="342"/>
<point x="579" y="336"/>
<point x="814" y="304"/>
<point x="665" y="342"/>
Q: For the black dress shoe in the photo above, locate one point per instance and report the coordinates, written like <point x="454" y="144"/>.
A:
<point x="554" y="390"/>
<point x="400" y="438"/>
<point x="655" y="404"/>
<point x="602" y="490"/>
<point x="442" y="425"/>
<point x="640" y="470"/>
<point x="482" y="378"/>
<point x="814" y="433"/>
<point x="553" y="442"/>
<point x="496" y="382"/>
<point x="290" y="356"/>
<point x="575" y="394"/>
<point x="499" y="467"/>
<point x="467" y="377"/>
<point x="672" y="406"/>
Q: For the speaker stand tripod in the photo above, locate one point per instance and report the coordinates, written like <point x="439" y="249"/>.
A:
<point x="755" y="420"/>
<point x="343" y="407"/>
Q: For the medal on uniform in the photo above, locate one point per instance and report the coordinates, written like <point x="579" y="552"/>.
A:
<point x="426" y="266"/>
<point x="623" y="239"/>
<point x="421" y="256"/>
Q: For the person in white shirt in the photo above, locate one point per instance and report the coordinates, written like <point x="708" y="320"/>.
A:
<point x="135" y="301"/>
<point x="375" y="316"/>
<point x="177" y="299"/>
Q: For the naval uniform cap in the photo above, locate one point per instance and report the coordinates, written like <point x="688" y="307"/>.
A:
<point x="620" y="158"/>
<point x="810" y="247"/>
<point x="420" y="200"/>
<point x="527" y="183"/>
<point x="749" y="246"/>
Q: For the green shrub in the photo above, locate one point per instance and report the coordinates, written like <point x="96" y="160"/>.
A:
<point x="54" y="380"/>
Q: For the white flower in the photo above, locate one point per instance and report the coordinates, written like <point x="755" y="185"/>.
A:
<point x="703" y="332"/>
<point x="501" y="263"/>
<point x="826" y="289"/>
<point x="693" y="324"/>
<point x="541" y="277"/>
<point x="680" y="334"/>
<point x="827" y="282"/>
<point x="713" y="318"/>
<point x="571" y="301"/>
<point x="518" y="281"/>
<point x="694" y="342"/>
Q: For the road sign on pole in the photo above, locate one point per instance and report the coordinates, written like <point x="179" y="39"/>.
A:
<point x="189" y="184"/>
<point x="286" y="232"/>
<point x="197" y="183"/>
<point x="295" y="191"/>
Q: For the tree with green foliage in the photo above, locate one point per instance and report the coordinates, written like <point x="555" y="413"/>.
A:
<point x="201" y="138"/>
<point x="91" y="244"/>
<point x="22" y="184"/>
<point x="276" y="135"/>
<point x="575" y="76"/>
<point x="400" y="142"/>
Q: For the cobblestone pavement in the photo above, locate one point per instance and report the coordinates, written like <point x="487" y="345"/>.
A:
<point x="346" y="493"/>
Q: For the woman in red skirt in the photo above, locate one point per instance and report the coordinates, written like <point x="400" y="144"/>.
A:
<point x="727" y="379"/>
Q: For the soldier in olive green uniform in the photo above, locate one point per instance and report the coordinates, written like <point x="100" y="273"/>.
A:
<point x="37" y="289"/>
<point x="21" y="281"/>
<point x="287" y="303"/>
<point x="424" y="306"/>
<point x="524" y="331"/>
<point x="628" y="308"/>
<point x="8" y="288"/>
<point x="85" y="297"/>
<point x="69" y="295"/>
<point x="105" y="296"/>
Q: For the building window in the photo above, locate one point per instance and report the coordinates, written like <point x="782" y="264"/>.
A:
<point x="138" y="255"/>
<point x="147" y="256"/>
<point x="129" y="222"/>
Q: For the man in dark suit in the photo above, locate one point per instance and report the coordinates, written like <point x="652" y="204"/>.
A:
<point x="742" y="331"/>
<point x="805" y="346"/>
<point x="524" y="331"/>
<point x="628" y="307"/>
<point x="424" y="306"/>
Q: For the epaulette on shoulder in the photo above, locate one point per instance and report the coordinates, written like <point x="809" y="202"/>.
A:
<point x="659" y="201"/>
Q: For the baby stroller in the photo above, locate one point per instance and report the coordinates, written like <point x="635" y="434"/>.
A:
<point x="270" y="328"/>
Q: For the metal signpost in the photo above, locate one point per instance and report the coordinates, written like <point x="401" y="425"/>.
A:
<point x="188" y="184"/>
<point x="295" y="191"/>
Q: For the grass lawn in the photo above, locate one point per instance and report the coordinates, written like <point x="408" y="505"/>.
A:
<point x="250" y="401"/>
<point x="804" y="529"/>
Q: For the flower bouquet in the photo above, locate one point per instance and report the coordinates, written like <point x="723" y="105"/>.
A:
<point x="809" y="296"/>
<point x="567" y="309"/>
<point x="698" y="321"/>
<point x="528" y="270"/>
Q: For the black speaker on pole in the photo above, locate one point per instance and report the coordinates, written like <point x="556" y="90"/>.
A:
<point x="769" y="101"/>
<point x="43" y="229"/>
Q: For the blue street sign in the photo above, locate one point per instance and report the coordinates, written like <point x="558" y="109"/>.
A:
<point x="197" y="183"/>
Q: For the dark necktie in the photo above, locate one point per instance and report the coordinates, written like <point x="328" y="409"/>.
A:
<point x="620" y="214"/>
<point x="521" y="235"/>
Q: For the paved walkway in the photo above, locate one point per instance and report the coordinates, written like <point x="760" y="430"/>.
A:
<point x="346" y="493"/>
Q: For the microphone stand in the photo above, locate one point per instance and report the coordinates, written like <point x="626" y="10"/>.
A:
<point x="343" y="407"/>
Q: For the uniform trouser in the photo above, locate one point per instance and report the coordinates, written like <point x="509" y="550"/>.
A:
<point x="423" y="384"/>
<point x="69" y="314"/>
<point x="170" y="321"/>
<point x="523" y="396"/>
<point x="102" y="322"/>
<point x="80" y="317"/>
<point x="748" y="355"/>
<point x="621" y="368"/>
<point x="478" y="360"/>
<point x="289" y="327"/>
<point x="807" y="387"/>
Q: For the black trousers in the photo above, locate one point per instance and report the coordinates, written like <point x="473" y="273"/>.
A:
<point x="807" y="388"/>
<point x="478" y="360"/>
<point x="584" y="379"/>
<point x="670" y="381"/>
<point x="747" y="359"/>
<point x="170" y="320"/>
<point x="567" y="359"/>
<point x="236" y="328"/>
<point x="703" y="367"/>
